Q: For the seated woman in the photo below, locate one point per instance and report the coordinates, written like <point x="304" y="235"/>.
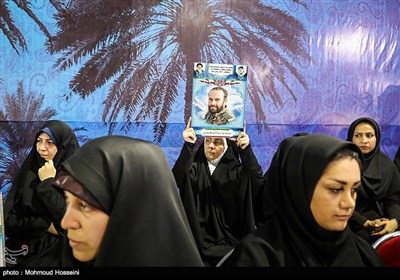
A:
<point x="33" y="207"/>
<point x="378" y="203"/>
<point x="123" y="207"/>
<point x="311" y="188"/>
<point x="220" y="182"/>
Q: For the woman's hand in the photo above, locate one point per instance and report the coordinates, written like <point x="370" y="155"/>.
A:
<point x="47" y="171"/>
<point x="243" y="139"/>
<point x="383" y="226"/>
<point x="52" y="229"/>
<point x="189" y="134"/>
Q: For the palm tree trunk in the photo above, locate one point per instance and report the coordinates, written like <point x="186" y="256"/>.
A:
<point x="188" y="89"/>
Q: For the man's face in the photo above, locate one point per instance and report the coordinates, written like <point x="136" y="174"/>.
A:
<point x="199" y="68"/>
<point x="216" y="101"/>
<point x="241" y="71"/>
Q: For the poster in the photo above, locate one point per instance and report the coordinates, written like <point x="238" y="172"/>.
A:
<point x="219" y="96"/>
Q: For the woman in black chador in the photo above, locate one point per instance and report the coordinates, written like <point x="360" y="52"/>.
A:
<point x="220" y="183"/>
<point x="378" y="203"/>
<point x="33" y="207"/>
<point x="311" y="190"/>
<point x="123" y="207"/>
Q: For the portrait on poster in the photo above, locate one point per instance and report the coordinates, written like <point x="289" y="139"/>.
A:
<point x="219" y="97"/>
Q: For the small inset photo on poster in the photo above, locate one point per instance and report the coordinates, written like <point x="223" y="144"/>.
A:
<point x="219" y="96"/>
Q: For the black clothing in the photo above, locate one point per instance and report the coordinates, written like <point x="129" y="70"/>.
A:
<point x="221" y="207"/>
<point x="32" y="205"/>
<point x="133" y="183"/>
<point x="379" y="196"/>
<point x="397" y="159"/>
<point x="290" y="235"/>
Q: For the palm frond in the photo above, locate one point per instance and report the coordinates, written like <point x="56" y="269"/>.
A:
<point x="22" y="115"/>
<point x="146" y="48"/>
<point x="13" y="34"/>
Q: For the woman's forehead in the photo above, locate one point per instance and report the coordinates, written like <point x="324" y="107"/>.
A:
<point x="214" y="138"/>
<point x="43" y="135"/>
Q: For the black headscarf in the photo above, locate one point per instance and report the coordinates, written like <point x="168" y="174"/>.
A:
<point x="27" y="177"/>
<point x="380" y="177"/>
<point x="133" y="183"/>
<point x="291" y="236"/>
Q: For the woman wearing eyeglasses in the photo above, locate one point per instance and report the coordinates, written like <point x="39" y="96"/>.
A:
<point x="33" y="207"/>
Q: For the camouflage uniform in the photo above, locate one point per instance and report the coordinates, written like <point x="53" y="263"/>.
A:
<point x="222" y="117"/>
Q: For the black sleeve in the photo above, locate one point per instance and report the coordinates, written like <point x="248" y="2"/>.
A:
<point x="358" y="219"/>
<point x="250" y="161"/>
<point x="391" y="203"/>
<point x="21" y="220"/>
<point x="253" y="171"/>
<point x="53" y="200"/>
<point x="397" y="159"/>
<point x="392" y="206"/>
<point x="183" y="163"/>
<point x="252" y="168"/>
<point x="252" y="252"/>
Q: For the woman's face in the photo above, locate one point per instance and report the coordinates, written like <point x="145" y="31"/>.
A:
<point x="46" y="147"/>
<point x="214" y="147"/>
<point x="85" y="225"/>
<point x="335" y="194"/>
<point x="364" y="137"/>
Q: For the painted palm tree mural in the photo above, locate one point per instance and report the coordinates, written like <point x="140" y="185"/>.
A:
<point x="16" y="136"/>
<point x="9" y="28"/>
<point x="24" y="110"/>
<point x="146" y="49"/>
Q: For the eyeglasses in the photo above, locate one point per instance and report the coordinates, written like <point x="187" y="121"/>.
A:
<point x="46" y="143"/>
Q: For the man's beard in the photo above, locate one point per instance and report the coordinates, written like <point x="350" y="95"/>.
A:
<point x="219" y="109"/>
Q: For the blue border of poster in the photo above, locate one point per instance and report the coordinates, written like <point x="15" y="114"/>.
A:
<point x="232" y="78"/>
